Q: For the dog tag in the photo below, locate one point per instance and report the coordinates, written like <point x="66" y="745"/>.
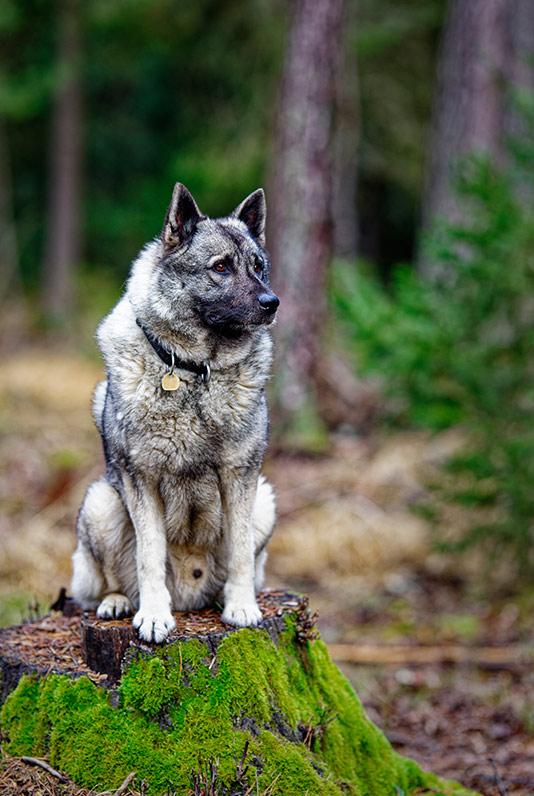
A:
<point x="170" y="381"/>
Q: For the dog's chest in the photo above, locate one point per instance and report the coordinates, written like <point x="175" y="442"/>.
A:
<point x="196" y="424"/>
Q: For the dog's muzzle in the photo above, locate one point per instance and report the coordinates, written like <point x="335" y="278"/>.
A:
<point x="269" y="302"/>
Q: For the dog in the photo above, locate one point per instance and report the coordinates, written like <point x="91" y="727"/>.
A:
<point x="182" y="517"/>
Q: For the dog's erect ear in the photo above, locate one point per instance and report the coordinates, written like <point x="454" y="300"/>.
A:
<point x="182" y="217"/>
<point x="253" y="211"/>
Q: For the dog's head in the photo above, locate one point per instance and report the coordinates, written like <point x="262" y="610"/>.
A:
<point x="217" y="269"/>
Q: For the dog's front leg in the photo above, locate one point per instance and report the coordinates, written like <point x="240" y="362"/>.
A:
<point x="240" y="606"/>
<point x="154" y="618"/>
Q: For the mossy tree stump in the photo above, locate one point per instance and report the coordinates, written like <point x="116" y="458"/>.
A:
<point x="260" y="710"/>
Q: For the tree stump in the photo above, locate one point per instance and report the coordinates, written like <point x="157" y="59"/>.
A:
<point x="214" y="710"/>
<point x="104" y="642"/>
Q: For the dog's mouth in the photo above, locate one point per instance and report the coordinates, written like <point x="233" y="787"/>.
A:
<point x="233" y="330"/>
<point x="237" y="323"/>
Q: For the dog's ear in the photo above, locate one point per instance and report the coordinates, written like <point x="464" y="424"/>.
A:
<point x="253" y="212"/>
<point x="182" y="217"/>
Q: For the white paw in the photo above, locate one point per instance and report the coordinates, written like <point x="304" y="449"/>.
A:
<point x="113" y="606"/>
<point x="242" y="614"/>
<point x="154" y="625"/>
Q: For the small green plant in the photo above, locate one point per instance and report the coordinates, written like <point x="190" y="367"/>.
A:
<point x="455" y="347"/>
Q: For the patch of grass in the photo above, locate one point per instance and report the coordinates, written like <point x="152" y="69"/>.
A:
<point x="18" y="606"/>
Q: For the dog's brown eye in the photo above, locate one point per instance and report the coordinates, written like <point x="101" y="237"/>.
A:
<point x="220" y="267"/>
<point x="258" y="268"/>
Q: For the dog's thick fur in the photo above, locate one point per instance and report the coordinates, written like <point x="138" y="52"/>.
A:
<point x="183" y="516"/>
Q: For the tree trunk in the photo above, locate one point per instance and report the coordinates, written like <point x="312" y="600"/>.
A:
<point x="300" y="225"/>
<point x="347" y="117"/>
<point x="485" y="49"/>
<point x="519" y="63"/>
<point x="63" y="232"/>
<point x="215" y="710"/>
<point x="9" y="263"/>
<point x="466" y="113"/>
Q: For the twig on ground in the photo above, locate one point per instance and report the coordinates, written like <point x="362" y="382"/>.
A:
<point x="268" y="791"/>
<point x="120" y="790"/>
<point x="498" y="780"/>
<point x="34" y="761"/>
<point x="484" y="657"/>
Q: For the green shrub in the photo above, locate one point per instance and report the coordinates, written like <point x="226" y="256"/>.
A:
<point x="455" y="347"/>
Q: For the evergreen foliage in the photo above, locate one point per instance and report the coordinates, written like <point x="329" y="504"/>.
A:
<point x="172" y="91"/>
<point x="458" y="349"/>
<point x="177" y="91"/>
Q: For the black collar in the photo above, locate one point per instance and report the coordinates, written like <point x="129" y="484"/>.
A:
<point x="203" y="369"/>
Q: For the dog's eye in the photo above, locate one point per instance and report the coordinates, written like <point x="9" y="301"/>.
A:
<point x="258" y="268"/>
<point x="220" y="267"/>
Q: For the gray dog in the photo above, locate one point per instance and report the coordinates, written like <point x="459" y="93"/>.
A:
<point x="182" y="517"/>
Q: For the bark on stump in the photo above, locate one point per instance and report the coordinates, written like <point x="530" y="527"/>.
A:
<point x="104" y="643"/>
<point x="214" y="710"/>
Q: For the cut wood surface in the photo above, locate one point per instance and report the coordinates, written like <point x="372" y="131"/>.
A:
<point x="104" y="642"/>
<point x="85" y="645"/>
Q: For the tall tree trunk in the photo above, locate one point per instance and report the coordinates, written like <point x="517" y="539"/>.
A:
<point x="486" y="47"/>
<point x="300" y="227"/>
<point x="63" y="233"/>
<point x="466" y="113"/>
<point x="344" y="205"/>
<point x="9" y="263"/>
<point x="519" y="62"/>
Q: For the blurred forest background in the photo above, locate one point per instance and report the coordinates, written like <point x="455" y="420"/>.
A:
<point x="394" y="140"/>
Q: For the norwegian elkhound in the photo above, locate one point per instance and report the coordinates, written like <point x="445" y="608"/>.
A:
<point x="182" y="517"/>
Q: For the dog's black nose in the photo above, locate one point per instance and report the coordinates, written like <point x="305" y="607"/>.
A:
<point x="269" y="302"/>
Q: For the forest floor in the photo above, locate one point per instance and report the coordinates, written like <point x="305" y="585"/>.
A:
<point x="442" y="662"/>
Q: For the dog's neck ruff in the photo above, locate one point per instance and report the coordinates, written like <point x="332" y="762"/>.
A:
<point x="201" y="369"/>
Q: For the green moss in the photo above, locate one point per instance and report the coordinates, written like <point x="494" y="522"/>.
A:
<point x="288" y="768"/>
<point x="177" y="704"/>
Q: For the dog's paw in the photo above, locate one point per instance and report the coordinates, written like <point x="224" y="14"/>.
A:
<point x="242" y="614"/>
<point x="154" y="625"/>
<point x="114" y="606"/>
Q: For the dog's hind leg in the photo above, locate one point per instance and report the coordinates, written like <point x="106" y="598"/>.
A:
<point x="88" y="580"/>
<point x="105" y="538"/>
<point x="263" y="519"/>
